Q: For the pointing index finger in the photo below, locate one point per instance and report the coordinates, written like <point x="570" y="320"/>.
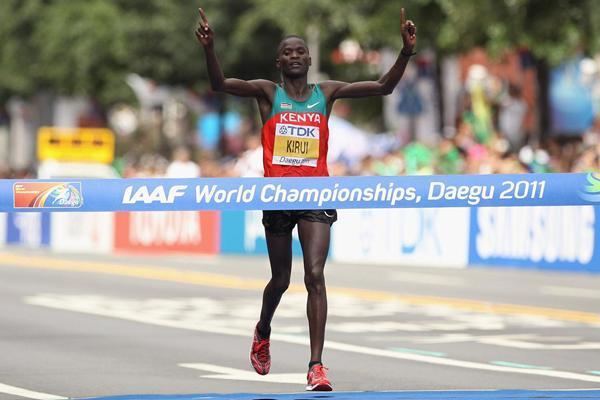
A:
<point x="402" y="16"/>
<point x="203" y="16"/>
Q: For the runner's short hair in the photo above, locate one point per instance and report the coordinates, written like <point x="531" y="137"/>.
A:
<point x="280" y="47"/>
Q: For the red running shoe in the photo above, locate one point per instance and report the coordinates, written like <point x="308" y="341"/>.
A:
<point x="260" y="356"/>
<point x="317" y="379"/>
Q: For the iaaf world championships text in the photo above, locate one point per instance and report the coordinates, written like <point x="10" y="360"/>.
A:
<point x="390" y="194"/>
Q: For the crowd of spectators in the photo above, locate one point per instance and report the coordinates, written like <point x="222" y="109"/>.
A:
<point x="459" y="155"/>
<point x="491" y="135"/>
<point x="488" y="138"/>
<point x="465" y="152"/>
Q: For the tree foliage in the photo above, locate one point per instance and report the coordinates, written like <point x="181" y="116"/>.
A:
<point x="88" y="46"/>
<point x="18" y="19"/>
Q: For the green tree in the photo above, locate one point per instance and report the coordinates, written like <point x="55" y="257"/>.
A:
<point x="81" y="48"/>
<point x="88" y="46"/>
<point x="18" y="19"/>
<point x="553" y="30"/>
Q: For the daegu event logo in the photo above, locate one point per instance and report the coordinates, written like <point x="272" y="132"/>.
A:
<point x="591" y="191"/>
<point x="47" y="195"/>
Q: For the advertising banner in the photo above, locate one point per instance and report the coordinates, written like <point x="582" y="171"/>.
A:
<point x="166" y="232"/>
<point x="536" y="237"/>
<point x="2" y="229"/>
<point x="426" y="237"/>
<point x="242" y="232"/>
<point x="300" y="193"/>
<point x="28" y="229"/>
<point x="86" y="233"/>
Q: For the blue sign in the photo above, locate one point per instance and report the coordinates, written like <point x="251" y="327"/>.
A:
<point x="324" y="192"/>
<point x="242" y="232"/>
<point x="570" y="99"/>
<point x="28" y="229"/>
<point x="566" y="238"/>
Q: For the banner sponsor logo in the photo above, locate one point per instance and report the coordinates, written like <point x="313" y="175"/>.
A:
<point x="432" y="237"/>
<point x="179" y="231"/>
<point x="158" y="195"/>
<point x="47" y="195"/>
<point x="546" y="237"/>
<point x="591" y="191"/>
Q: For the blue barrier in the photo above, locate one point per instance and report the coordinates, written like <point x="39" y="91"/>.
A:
<point x="300" y="193"/>
<point x="392" y="395"/>
<point x="242" y="232"/>
<point x="552" y="238"/>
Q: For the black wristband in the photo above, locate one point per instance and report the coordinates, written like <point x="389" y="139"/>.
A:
<point x="408" y="54"/>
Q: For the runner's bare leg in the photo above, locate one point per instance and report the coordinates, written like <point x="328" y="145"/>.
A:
<point x="280" y="257"/>
<point x="314" y="238"/>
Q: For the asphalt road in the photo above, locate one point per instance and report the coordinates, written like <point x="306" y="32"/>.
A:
<point x="82" y="326"/>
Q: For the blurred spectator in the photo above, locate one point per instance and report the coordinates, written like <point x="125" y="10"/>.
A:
<point x="391" y="164"/>
<point x="4" y="171"/>
<point x="410" y="103"/>
<point x="450" y="160"/>
<point x="418" y="159"/>
<point x="220" y="131"/>
<point x="367" y="166"/>
<point x="250" y="162"/>
<point x="211" y="167"/>
<point x="537" y="161"/>
<point x="589" y="160"/>
<point x="339" y="168"/>
<point x="511" y="117"/>
<point x="148" y="165"/>
<point x="182" y="166"/>
<point x="209" y="130"/>
<point x="347" y="142"/>
<point x="477" y="106"/>
<point x="592" y="135"/>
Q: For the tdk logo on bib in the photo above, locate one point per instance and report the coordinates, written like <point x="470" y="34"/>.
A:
<point x="310" y="132"/>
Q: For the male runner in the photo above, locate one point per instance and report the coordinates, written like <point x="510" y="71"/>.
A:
<point x="294" y="137"/>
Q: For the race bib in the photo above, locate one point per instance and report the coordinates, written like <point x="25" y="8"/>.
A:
<point x="296" y="145"/>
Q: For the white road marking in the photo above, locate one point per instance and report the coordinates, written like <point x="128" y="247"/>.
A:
<point x="529" y="341"/>
<point x="28" y="394"/>
<point x="570" y="292"/>
<point x="526" y="341"/>
<point x="103" y="306"/>
<point x="429" y="279"/>
<point x="245" y="375"/>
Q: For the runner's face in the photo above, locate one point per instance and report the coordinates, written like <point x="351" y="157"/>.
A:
<point x="293" y="59"/>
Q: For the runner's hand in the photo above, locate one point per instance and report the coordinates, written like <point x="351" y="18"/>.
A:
<point x="204" y="32"/>
<point x="409" y="32"/>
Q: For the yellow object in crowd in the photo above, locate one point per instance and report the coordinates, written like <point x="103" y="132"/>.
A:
<point x="94" y="145"/>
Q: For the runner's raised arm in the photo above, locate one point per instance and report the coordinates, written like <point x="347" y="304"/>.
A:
<point x="385" y="85"/>
<point x="259" y="88"/>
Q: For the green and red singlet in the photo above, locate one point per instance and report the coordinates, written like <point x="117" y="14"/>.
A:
<point x="295" y="136"/>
